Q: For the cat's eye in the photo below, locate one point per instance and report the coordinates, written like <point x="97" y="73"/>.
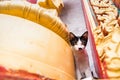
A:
<point x="74" y="41"/>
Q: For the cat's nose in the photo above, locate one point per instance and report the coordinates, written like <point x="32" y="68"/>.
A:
<point x="80" y="48"/>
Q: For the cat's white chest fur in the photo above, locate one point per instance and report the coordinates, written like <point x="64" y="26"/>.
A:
<point x="82" y="63"/>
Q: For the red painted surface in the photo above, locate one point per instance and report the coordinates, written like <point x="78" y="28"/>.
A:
<point x="32" y="1"/>
<point x="10" y="74"/>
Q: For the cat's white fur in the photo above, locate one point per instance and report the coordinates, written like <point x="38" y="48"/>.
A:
<point x="78" y="45"/>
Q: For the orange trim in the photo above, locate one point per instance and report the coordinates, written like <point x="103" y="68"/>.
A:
<point x="19" y="75"/>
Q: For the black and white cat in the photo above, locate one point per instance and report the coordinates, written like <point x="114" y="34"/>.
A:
<point x="78" y="44"/>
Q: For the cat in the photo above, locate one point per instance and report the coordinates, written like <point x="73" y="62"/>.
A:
<point x="78" y="44"/>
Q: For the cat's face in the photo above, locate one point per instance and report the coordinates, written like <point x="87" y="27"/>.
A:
<point x="78" y="42"/>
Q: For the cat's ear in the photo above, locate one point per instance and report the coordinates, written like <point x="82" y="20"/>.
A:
<point x="71" y="36"/>
<point x="84" y="38"/>
<point x="85" y="35"/>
